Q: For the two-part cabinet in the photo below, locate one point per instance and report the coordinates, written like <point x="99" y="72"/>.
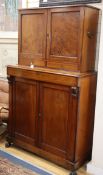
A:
<point x="52" y="102"/>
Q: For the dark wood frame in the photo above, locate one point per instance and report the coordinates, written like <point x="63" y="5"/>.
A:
<point x="65" y="2"/>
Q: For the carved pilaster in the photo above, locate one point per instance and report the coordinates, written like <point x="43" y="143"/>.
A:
<point x="11" y="79"/>
<point x="75" y="91"/>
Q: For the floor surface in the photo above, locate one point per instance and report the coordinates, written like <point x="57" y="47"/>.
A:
<point x="33" y="159"/>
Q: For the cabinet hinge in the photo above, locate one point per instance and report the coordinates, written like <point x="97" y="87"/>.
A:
<point x="75" y="91"/>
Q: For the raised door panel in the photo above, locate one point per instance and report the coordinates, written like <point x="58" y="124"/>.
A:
<point x="65" y="37"/>
<point x="32" y="37"/>
<point x="55" y="121"/>
<point x="25" y="111"/>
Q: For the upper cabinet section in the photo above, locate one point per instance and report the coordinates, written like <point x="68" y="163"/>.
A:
<point x="59" y="37"/>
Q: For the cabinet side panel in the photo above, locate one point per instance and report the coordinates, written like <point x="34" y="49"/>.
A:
<point x="89" y="39"/>
<point x="85" y="121"/>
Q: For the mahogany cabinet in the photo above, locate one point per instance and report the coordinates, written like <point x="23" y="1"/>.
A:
<point x="59" y="37"/>
<point x="52" y="113"/>
<point x="52" y="102"/>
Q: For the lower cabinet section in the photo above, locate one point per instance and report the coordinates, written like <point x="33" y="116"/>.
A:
<point x="53" y="120"/>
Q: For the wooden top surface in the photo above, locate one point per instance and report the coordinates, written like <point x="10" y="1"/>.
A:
<point x="22" y="68"/>
<point x="50" y="7"/>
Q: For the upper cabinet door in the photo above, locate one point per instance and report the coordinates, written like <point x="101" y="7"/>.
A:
<point x="65" y="37"/>
<point x="32" y="36"/>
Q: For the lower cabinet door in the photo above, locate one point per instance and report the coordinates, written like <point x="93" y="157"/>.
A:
<point x="57" y="117"/>
<point x="25" y="111"/>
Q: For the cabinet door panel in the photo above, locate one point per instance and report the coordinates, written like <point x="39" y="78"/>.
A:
<point x="32" y="37"/>
<point x="54" y="120"/>
<point x="25" y="111"/>
<point x="65" y="37"/>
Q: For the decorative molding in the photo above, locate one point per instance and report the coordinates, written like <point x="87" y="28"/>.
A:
<point x="8" y="41"/>
<point x="9" y="35"/>
<point x="91" y="168"/>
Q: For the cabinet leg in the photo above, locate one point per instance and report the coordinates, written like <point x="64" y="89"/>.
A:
<point x="8" y="144"/>
<point x="9" y="141"/>
<point x="73" y="173"/>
